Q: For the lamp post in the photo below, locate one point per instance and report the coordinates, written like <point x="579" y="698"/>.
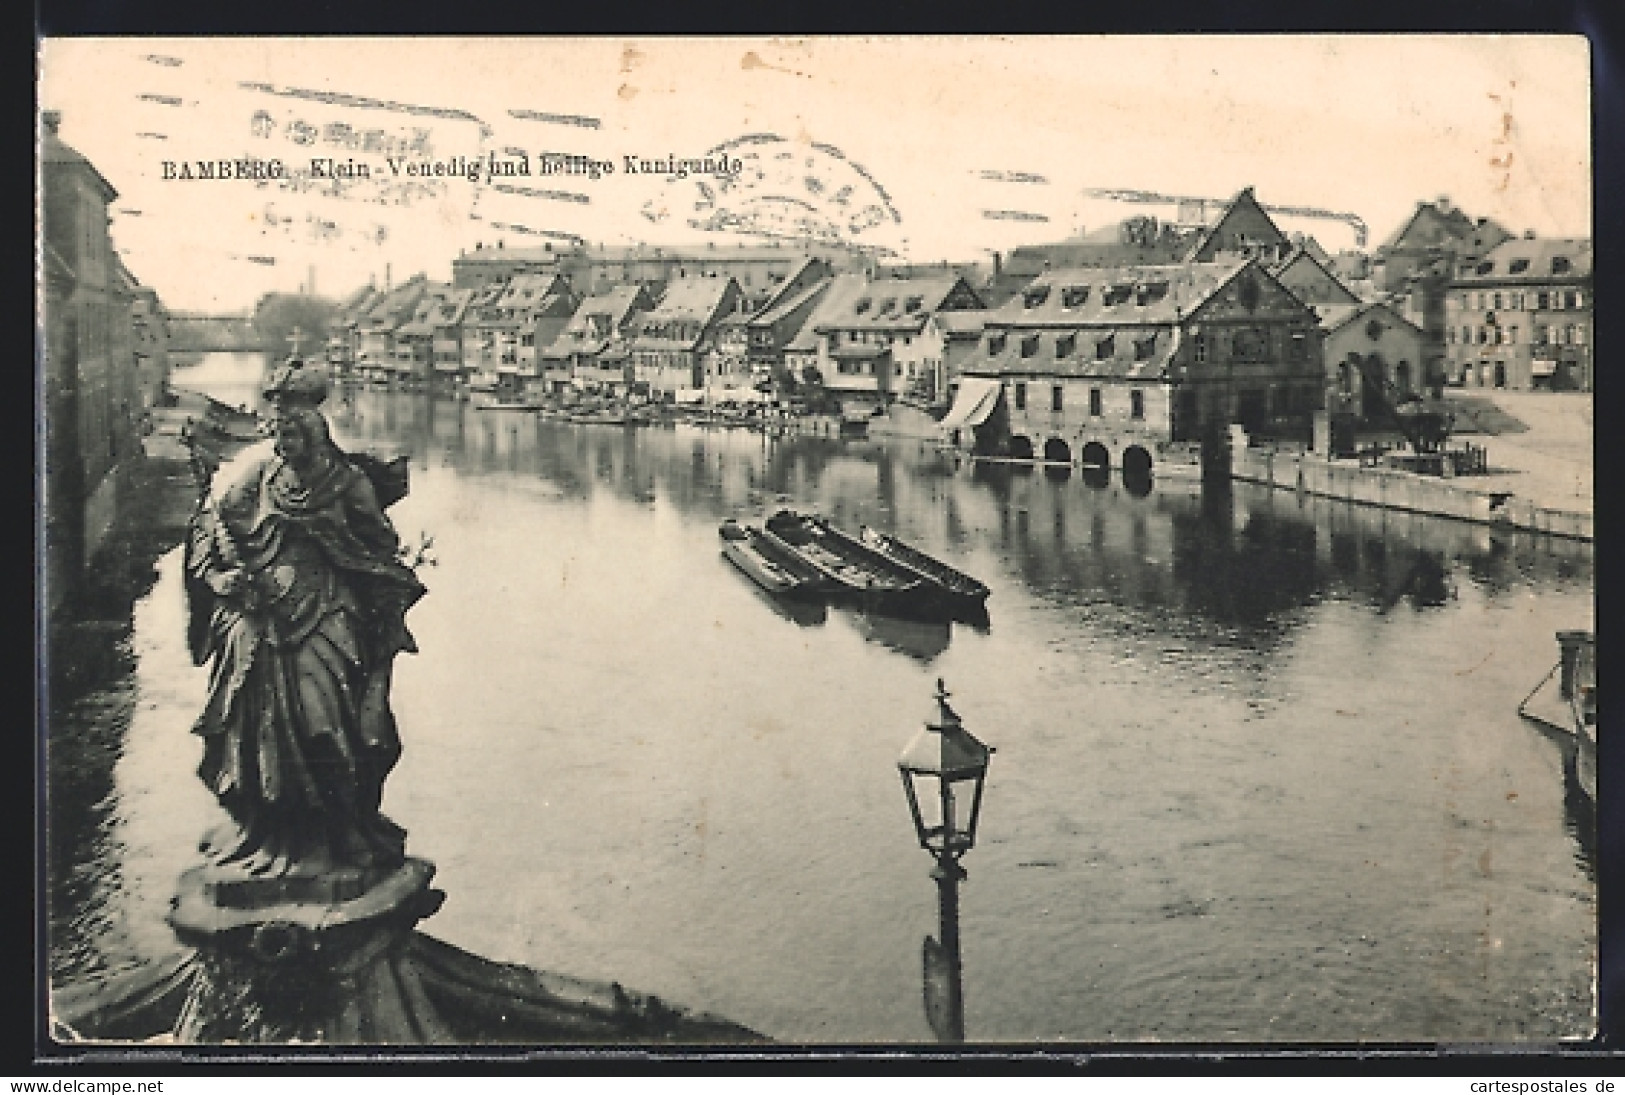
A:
<point x="943" y="770"/>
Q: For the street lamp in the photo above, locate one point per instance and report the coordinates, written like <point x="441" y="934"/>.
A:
<point x="943" y="769"/>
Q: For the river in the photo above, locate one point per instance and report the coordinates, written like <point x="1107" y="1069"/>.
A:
<point x="1259" y="774"/>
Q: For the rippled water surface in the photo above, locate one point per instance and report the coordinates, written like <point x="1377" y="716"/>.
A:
<point x="1259" y="773"/>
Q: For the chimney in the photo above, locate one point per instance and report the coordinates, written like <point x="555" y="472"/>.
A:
<point x="998" y="263"/>
<point x="387" y="284"/>
<point x="52" y="119"/>
<point x="1528" y="233"/>
<point x="1443" y="203"/>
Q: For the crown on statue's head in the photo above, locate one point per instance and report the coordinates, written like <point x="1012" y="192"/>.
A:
<point x="292" y="383"/>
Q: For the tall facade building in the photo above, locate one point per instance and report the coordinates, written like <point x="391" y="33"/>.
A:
<point x="1520" y="317"/>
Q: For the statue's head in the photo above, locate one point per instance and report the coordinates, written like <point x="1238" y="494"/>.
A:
<point x="294" y="393"/>
<point x="301" y="433"/>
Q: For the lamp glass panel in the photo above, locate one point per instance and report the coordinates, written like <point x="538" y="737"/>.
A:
<point x="928" y="799"/>
<point x="960" y="804"/>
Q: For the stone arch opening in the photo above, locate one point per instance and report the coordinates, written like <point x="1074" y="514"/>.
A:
<point x="1136" y="462"/>
<point x="1095" y="455"/>
<point x="1056" y="451"/>
<point x="1021" y="447"/>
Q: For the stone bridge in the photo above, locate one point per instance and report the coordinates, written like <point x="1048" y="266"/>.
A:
<point x="189" y="333"/>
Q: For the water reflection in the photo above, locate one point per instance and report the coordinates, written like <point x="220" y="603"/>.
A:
<point x="921" y="640"/>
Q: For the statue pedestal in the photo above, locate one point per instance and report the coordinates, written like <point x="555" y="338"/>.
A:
<point x="305" y="957"/>
<point x="333" y="958"/>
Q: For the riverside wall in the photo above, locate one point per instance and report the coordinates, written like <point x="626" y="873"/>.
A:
<point x="1402" y="490"/>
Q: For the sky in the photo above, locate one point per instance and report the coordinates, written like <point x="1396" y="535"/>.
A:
<point x="923" y="148"/>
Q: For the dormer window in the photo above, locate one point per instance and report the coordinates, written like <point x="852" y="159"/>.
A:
<point x="1560" y="264"/>
<point x="1034" y="298"/>
<point x="1065" y="345"/>
<point x="1029" y="346"/>
<point x="1150" y="292"/>
<point x="1486" y="268"/>
<point x="887" y="306"/>
<point x="1073" y="296"/>
<point x="1518" y="266"/>
<point x="1105" y="348"/>
<point x="913" y="304"/>
<point x="862" y="306"/>
<point x="995" y="343"/>
<point x="1143" y="347"/>
<point x="1117" y="294"/>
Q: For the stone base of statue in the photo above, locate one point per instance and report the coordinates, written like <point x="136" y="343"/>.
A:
<point x="335" y="959"/>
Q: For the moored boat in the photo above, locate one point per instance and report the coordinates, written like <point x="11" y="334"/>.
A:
<point x="769" y="564"/>
<point x="858" y="570"/>
<point x="1566" y="701"/>
<point x="964" y="593"/>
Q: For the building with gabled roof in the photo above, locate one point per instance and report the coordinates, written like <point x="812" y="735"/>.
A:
<point x="413" y="357"/>
<point x="1242" y="228"/>
<point x="675" y="336"/>
<point x="1415" y="264"/>
<point x="344" y="338"/>
<point x="747" y="351"/>
<point x="379" y="356"/>
<point x="1092" y="362"/>
<point x="875" y="339"/>
<point x="1373" y="356"/>
<point x="445" y="323"/>
<point x="1310" y="279"/>
<point x="592" y="350"/>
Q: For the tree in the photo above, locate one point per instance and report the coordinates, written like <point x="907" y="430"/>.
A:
<point x="278" y="315"/>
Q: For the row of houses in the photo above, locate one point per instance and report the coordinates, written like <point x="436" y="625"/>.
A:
<point x="864" y="334"/>
<point x="105" y="363"/>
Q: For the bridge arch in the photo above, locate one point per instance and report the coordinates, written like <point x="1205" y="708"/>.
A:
<point x="1057" y="451"/>
<point x="1095" y="455"/>
<point x="1021" y="447"/>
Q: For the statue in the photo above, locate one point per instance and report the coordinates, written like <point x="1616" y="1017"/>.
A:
<point x="297" y="597"/>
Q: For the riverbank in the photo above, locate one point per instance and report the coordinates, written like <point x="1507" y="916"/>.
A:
<point x="1540" y="475"/>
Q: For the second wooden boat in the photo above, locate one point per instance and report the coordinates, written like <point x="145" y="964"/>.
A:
<point x="858" y="570"/>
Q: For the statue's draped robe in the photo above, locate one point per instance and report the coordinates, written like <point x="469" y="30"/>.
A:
<point x="298" y="733"/>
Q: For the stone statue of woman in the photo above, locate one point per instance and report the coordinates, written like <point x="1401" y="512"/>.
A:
<point x="297" y="600"/>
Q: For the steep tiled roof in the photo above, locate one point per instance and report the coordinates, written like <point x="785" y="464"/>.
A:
<point x="1334" y="317"/>
<point x="843" y="290"/>
<point x="524" y="291"/>
<point x="1116" y="296"/>
<point x="1106" y="353"/>
<point x="1529" y="260"/>
<point x="694" y="299"/>
<point x="889" y="304"/>
<point x="782" y="307"/>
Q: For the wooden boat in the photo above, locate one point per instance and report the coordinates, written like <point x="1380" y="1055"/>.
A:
<point x="876" y="581"/>
<point x="1565" y="701"/>
<point x="769" y="564"/>
<point x="964" y="593"/>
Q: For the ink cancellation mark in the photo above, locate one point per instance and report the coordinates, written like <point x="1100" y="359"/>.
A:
<point x="788" y="190"/>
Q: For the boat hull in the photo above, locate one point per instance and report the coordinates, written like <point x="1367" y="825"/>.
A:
<point x="777" y="572"/>
<point x="963" y="593"/>
<point x="856" y="571"/>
